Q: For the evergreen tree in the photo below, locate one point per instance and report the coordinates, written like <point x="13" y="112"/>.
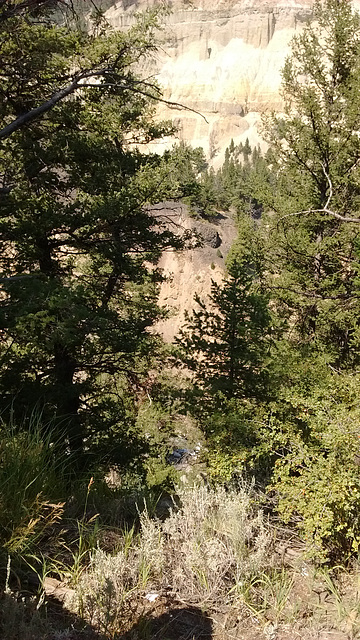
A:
<point x="77" y="236"/>
<point x="226" y="341"/>
<point x="315" y="153"/>
<point x="186" y="164"/>
<point x="246" y="150"/>
<point x="240" y="183"/>
<point x="313" y="262"/>
<point x="11" y="8"/>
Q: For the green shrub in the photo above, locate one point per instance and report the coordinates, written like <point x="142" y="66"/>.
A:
<point x="304" y="446"/>
<point x="316" y="470"/>
<point x="318" y="481"/>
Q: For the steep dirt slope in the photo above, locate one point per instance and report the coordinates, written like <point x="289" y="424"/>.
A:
<point x="191" y="271"/>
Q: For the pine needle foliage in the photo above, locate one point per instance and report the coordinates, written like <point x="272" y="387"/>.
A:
<point x="79" y="244"/>
<point x="314" y="153"/>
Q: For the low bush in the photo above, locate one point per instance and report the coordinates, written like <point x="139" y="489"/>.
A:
<point x="203" y="551"/>
<point x="317" y="479"/>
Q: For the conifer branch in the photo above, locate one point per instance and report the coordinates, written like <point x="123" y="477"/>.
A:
<point x="324" y="209"/>
<point x="83" y="80"/>
<point x="9" y="9"/>
<point x="313" y="295"/>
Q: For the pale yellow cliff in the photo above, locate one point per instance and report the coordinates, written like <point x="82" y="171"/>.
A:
<point x="223" y="59"/>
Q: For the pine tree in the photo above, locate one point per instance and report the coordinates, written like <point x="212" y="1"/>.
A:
<point x="79" y="244"/>
<point x="315" y="153"/>
<point x="226" y="340"/>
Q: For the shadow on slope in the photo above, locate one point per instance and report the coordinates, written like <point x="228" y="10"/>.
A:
<point x="174" y="624"/>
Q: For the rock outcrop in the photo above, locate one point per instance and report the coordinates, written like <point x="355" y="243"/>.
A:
<point x="191" y="271"/>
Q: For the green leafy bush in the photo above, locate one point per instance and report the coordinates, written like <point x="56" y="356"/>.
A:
<point x="317" y="477"/>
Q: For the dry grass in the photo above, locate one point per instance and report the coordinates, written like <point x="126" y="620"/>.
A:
<point x="215" y="554"/>
<point x="213" y="542"/>
<point x="210" y="568"/>
<point x="200" y="554"/>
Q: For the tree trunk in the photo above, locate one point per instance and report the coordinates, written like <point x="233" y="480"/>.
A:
<point x="68" y="398"/>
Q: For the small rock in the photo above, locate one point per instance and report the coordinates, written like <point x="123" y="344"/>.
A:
<point x="56" y="589"/>
<point x="151" y="596"/>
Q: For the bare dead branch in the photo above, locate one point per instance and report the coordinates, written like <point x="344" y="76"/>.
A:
<point x="33" y="114"/>
<point x="79" y="82"/>
<point x="330" y="186"/>
<point x="329" y="212"/>
<point x="324" y="209"/>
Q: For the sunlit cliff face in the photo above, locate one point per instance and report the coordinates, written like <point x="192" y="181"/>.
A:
<point x="222" y="59"/>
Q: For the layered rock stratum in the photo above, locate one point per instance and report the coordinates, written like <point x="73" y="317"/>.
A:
<point x="222" y="59"/>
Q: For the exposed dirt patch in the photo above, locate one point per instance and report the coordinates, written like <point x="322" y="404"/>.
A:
<point x="191" y="271"/>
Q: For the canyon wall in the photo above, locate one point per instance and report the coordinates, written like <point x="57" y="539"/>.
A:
<point x="221" y="59"/>
<point x="191" y="271"/>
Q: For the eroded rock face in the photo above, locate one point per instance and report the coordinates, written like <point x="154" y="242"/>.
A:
<point x="222" y="59"/>
<point x="191" y="271"/>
